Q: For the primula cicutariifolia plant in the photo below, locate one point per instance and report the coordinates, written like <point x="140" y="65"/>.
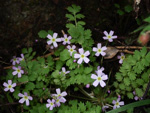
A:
<point x="133" y="76"/>
<point x="74" y="65"/>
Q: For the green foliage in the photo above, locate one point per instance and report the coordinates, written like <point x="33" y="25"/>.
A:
<point x="134" y="72"/>
<point x="79" y="107"/>
<point x="122" y="10"/>
<point x="76" y="29"/>
<point x="145" y="27"/>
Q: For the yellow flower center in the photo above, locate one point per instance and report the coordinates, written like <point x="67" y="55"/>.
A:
<point x="99" y="50"/>
<point x="82" y="56"/>
<point x="99" y="78"/>
<point x="122" y="57"/>
<point x="15" y="59"/>
<point x="66" y="39"/>
<point x="109" y="36"/>
<point x="9" y="86"/>
<point x="117" y="103"/>
<point x="71" y="49"/>
<point x="52" y="104"/>
<point x="25" y="97"/>
<point x="53" y="39"/>
<point x="57" y="100"/>
<point x="18" y="70"/>
<point x="59" y="95"/>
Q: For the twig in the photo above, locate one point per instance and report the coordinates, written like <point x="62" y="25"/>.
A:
<point x="130" y="47"/>
<point x="7" y="104"/>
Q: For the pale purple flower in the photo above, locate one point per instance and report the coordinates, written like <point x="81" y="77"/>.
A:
<point x="82" y="56"/>
<point x="60" y="95"/>
<point x="9" y="86"/>
<point x="15" y="60"/>
<point x="99" y="50"/>
<point x="87" y="86"/>
<point x="71" y="49"/>
<point x="108" y="91"/>
<point x="21" y="58"/>
<point x="109" y="36"/>
<point x="25" y="98"/>
<point x="99" y="79"/>
<point x="101" y="69"/>
<point x="121" y="57"/>
<point x="74" y="60"/>
<point x="104" y="108"/>
<point x="66" y="40"/>
<point x="51" y="47"/>
<point x="18" y="71"/>
<point x="117" y="103"/>
<point x="36" y="40"/>
<point x="134" y="93"/>
<point x="53" y="40"/>
<point x="136" y="98"/>
<point x="119" y="96"/>
<point x="51" y="104"/>
<point x="64" y="71"/>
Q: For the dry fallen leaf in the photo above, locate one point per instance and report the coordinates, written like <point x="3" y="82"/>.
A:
<point x="110" y="52"/>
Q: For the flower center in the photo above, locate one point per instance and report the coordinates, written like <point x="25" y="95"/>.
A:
<point x="109" y="36"/>
<point x="57" y="100"/>
<point x="25" y="97"/>
<point x="52" y="104"/>
<point x="82" y="56"/>
<point x="53" y="39"/>
<point x="64" y="73"/>
<point x="122" y="57"/>
<point x="117" y="103"/>
<point x="99" y="50"/>
<point x="66" y="39"/>
<point x="15" y="59"/>
<point x="99" y="78"/>
<point x="18" y="70"/>
<point x="9" y="86"/>
<point x="71" y="49"/>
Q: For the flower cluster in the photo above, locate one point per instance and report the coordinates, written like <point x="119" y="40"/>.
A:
<point x="53" y="40"/>
<point x="116" y="104"/>
<point x="57" y="99"/>
<point x="16" y="60"/>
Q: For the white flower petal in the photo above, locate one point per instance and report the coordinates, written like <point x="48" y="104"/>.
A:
<point x="5" y="84"/>
<point x="106" y="33"/>
<point x="80" y="61"/>
<point x="49" y="36"/>
<point x="95" y="49"/>
<point x="86" y="60"/>
<point x="55" y="35"/>
<point x="95" y="83"/>
<point x="81" y="51"/>
<point x="77" y="55"/>
<point x="99" y="45"/>
<point x="21" y="100"/>
<point x="14" y="73"/>
<point x="55" y="44"/>
<point x="102" y="83"/>
<point x="58" y="90"/>
<point x="94" y="76"/>
<point x="87" y="53"/>
<point x="111" y="32"/>
<point x="49" y="42"/>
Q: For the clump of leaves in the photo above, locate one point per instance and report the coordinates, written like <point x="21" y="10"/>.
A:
<point x="76" y="29"/>
<point x="134" y="74"/>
